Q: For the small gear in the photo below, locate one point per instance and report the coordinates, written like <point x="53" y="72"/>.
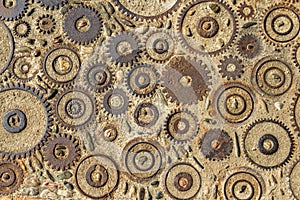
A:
<point x="148" y="10"/>
<point x="245" y="11"/>
<point x="159" y="45"/>
<point x="268" y="144"/>
<point x="52" y="4"/>
<point x="185" y="80"/>
<point x="46" y="24"/>
<point x="25" y="120"/>
<point x="182" y="181"/>
<point x="82" y="25"/>
<point x="181" y="126"/>
<point x="97" y="176"/>
<point x="143" y="158"/>
<point x="281" y="24"/>
<point x="22" y="29"/>
<point x="7" y="43"/>
<point x="272" y="77"/>
<point x="124" y="48"/>
<point x="115" y="102"/>
<point x="11" y="177"/>
<point x="12" y="10"/>
<point x="249" y="46"/>
<point x="61" y="66"/>
<point x="23" y="68"/>
<point x="99" y="77"/>
<point x="62" y="151"/>
<point x="146" y="115"/>
<point x="234" y="102"/>
<point x="231" y="67"/>
<point x="216" y="144"/>
<point x="142" y="80"/>
<point x="74" y="108"/>
<point x="212" y="31"/>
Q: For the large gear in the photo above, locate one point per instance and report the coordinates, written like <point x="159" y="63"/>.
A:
<point x="25" y="121"/>
<point x="12" y="10"/>
<point x="159" y="45"/>
<point x="143" y="158"/>
<point x="273" y="77"/>
<point x="231" y="67"/>
<point x="52" y="4"/>
<point x="216" y="144"/>
<point x="208" y="33"/>
<point x="62" y="151"/>
<point x="7" y="43"/>
<point x="147" y="10"/>
<point x="249" y="46"/>
<point x="97" y="176"/>
<point x="185" y="80"/>
<point x="61" y="66"/>
<point x="281" y="23"/>
<point x="234" y="102"/>
<point x="182" y="181"/>
<point x="268" y="144"/>
<point x="24" y="68"/>
<point x="181" y="126"/>
<point x="74" y="108"/>
<point x="11" y="177"/>
<point x="142" y="80"/>
<point x="115" y="102"/>
<point x="82" y="25"/>
<point x="123" y="48"/>
<point x="46" y="24"/>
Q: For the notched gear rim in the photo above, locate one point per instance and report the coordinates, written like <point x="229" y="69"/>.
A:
<point x="17" y="14"/>
<point x="139" y="17"/>
<point x="289" y="134"/>
<point x="22" y="34"/>
<point x="239" y="67"/>
<point x="44" y="16"/>
<point x="49" y="122"/>
<point x="240" y="11"/>
<point x="242" y="39"/>
<point x="52" y="4"/>
<point x="19" y="176"/>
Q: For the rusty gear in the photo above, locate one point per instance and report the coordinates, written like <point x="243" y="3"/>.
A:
<point x="185" y="81"/>
<point x="249" y="46"/>
<point x="123" y="48"/>
<point x="245" y="11"/>
<point x="24" y="68"/>
<point x="11" y="177"/>
<point x="216" y="144"/>
<point x="231" y="67"/>
<point x="22" y="29"/>
<point x="62" y="152"/>
<point x="207" y="33"/>
<point x="52" y="4"/>
<point x="273" y="143"/>
<point x="12" y="10"/>
<point x="82" y="25"/>
<point x="46" y="24"/>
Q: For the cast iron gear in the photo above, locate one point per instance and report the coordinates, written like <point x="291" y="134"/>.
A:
<point x="249" y="46"/>
<point x="245" y="11"/>
<point x="11" y="177"/>
<point x="231" y="67"/>
<point x="115" y="102"/>
<point x="12" y="10"/>
<point x="46" y="24"/>
<point x="52" y="4"/>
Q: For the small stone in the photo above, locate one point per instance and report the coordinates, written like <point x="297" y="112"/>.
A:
<point x="278" y="105"/>
<point x="159" y="195"/>
<point x="64" y="175"/>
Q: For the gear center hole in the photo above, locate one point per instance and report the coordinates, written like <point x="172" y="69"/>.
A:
<point x="124" y="48"/>
<point x="61" y="152"/>
<point x="231" y="68"/>
<point x="186" y="81"/>
<point x="9" y="4"/>
<point x="83" y="24"/>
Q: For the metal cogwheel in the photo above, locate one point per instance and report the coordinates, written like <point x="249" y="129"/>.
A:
<point x="273" y="77"/>
<point x="249" y="46"/>
<point x="82" y="24"/>
<point x="216" y="144"/>
<point x="7" y="44"/>
<point x="74" y="109"/>
<point x="148" y="10"/>
<point x="24" y="68"/>
<point x="12" y="10"/>
<point x="243" y="183"/>
<point x="46" y="24"/>
<point x="124" y="48"/>
<point x="246" y="11"/>
<point x="181" y="126"/>
<point x="22" y="29"/>
<point x="52" y="4"/>
<point x="61" y="66"/>
<point x="115" y="102"/>
<point x="142" y="80"/>
<point x="11" y="177"/>
<point x="62" y="151"/>
<point x="182" y="181"/>
<point x="185" y="80"/>
<point x="201" y="38"/>
<point x="272" y="28"/>
<point x="97" y="176"/>
<point x="268" y="144"/>
<point x="25" y="116"/>
<point x="143" y="159"/>
<point x="231" y="67"/>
